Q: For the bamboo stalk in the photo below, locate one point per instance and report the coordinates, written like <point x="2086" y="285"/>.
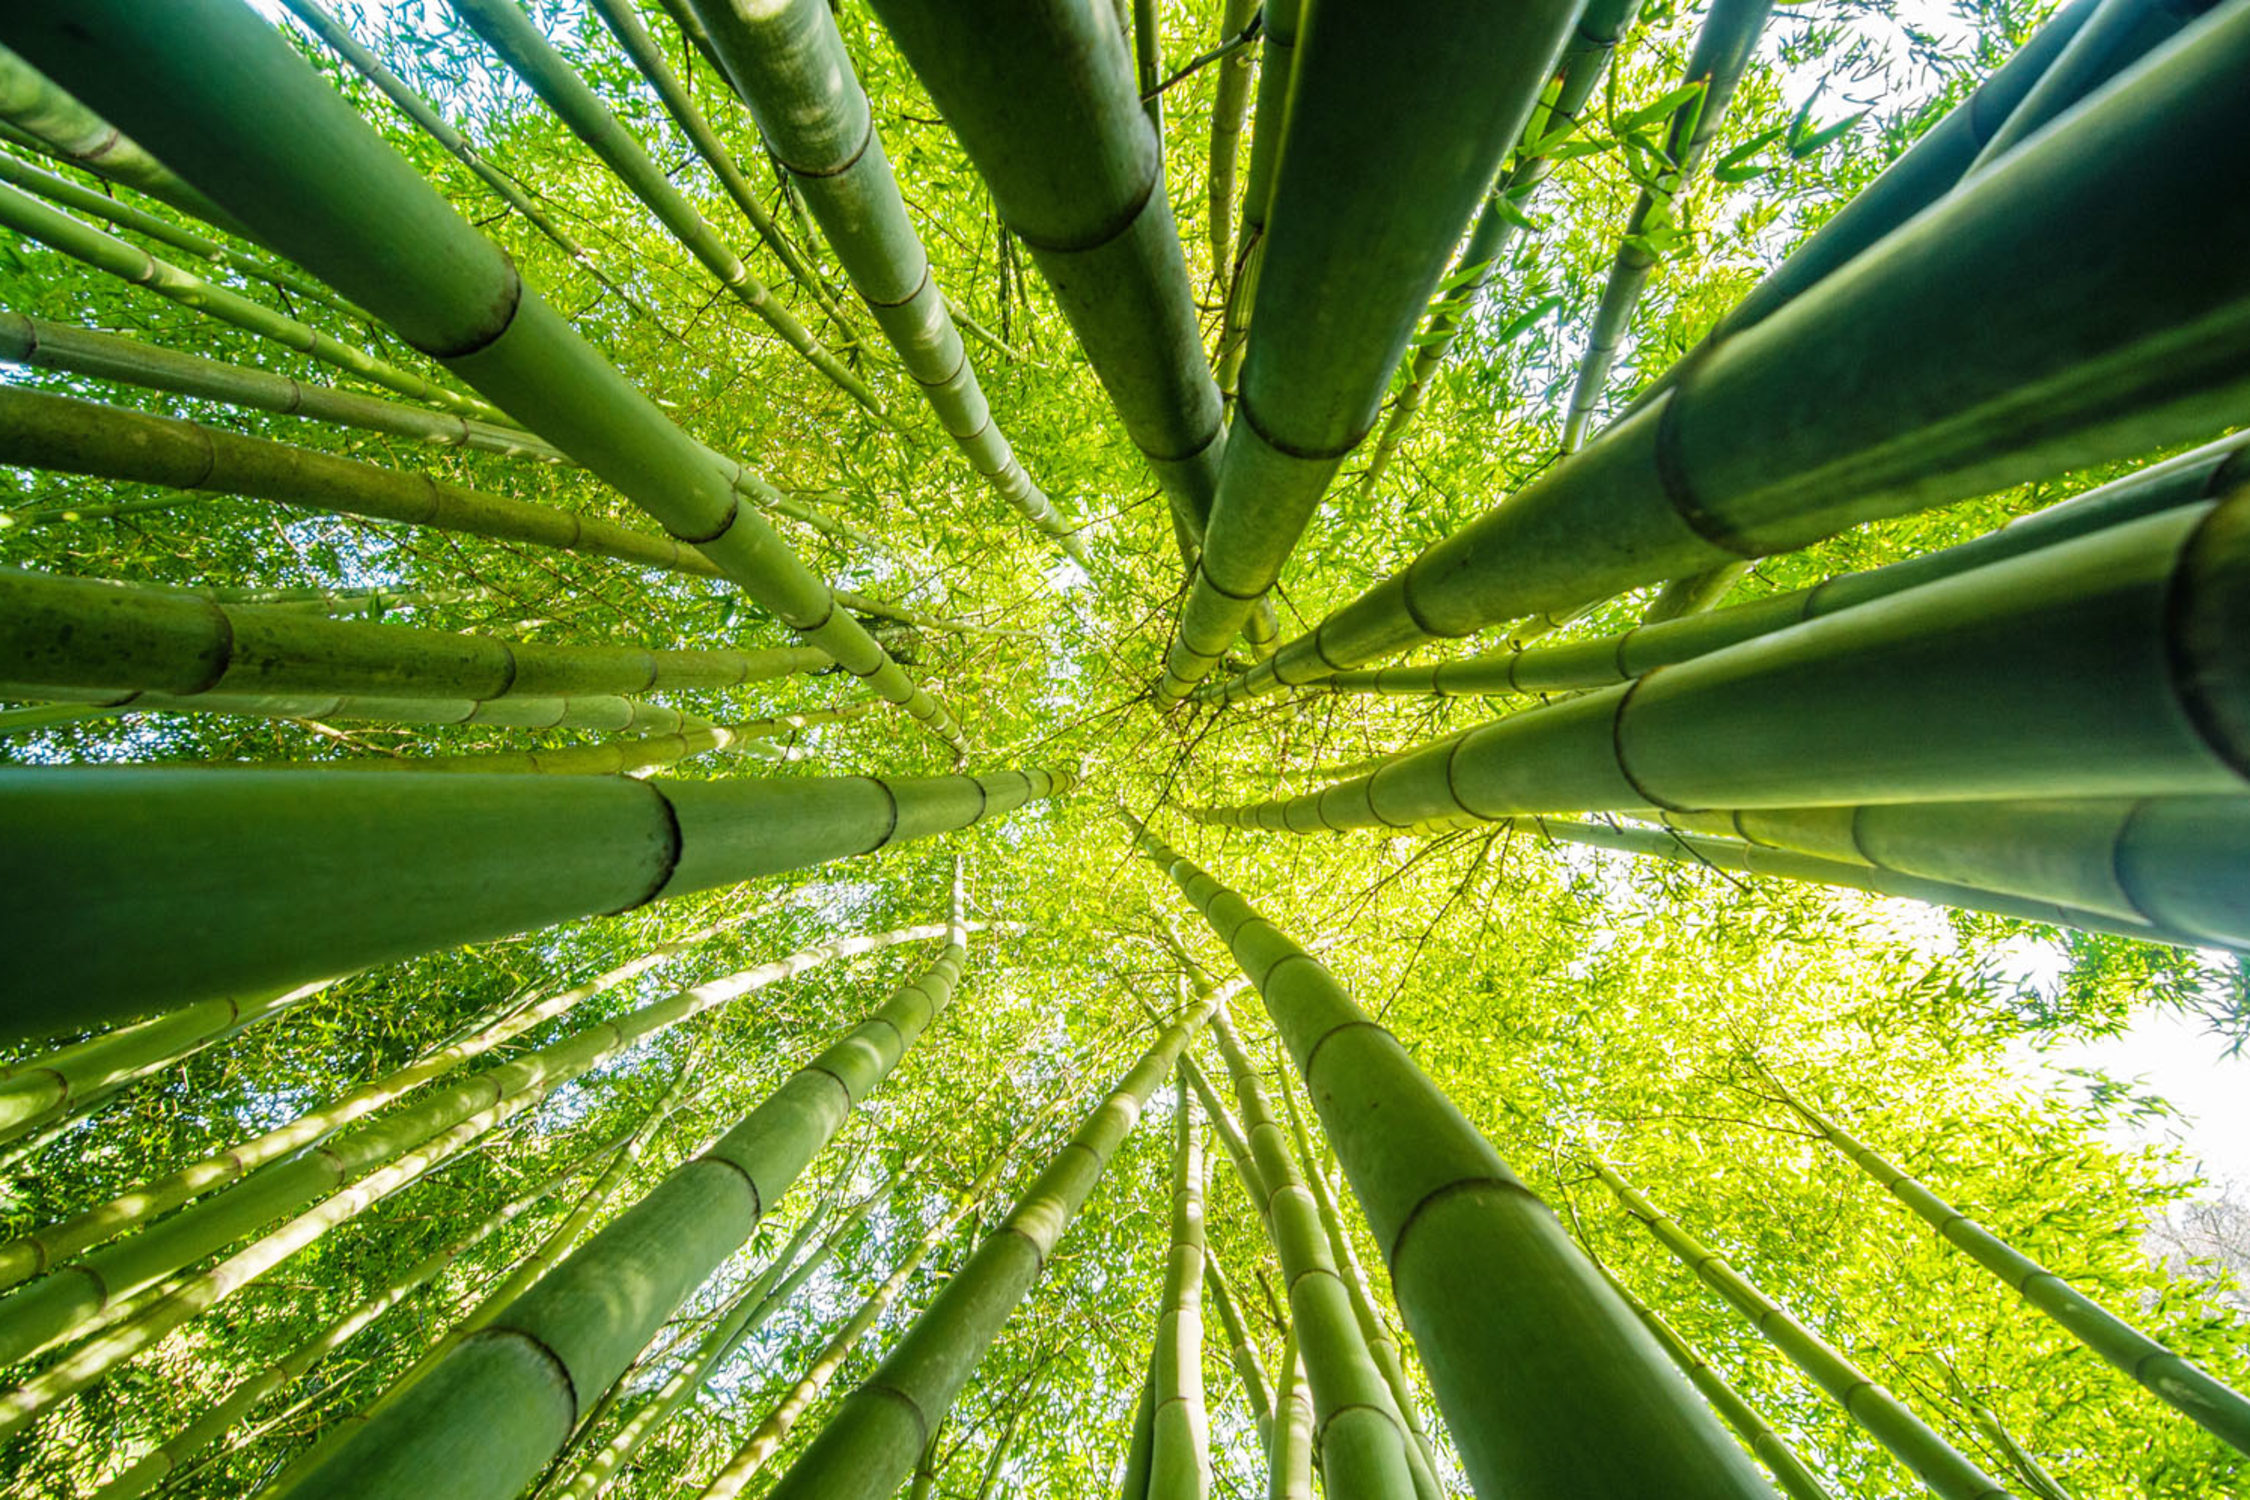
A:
<point x="1694" y="594"/>
<point x="1723" y="46"/>
<point x="242" y="112"/>
<point x="2117" y="35"/>
<point x="82" y="242"/>
<point x="1949" y="1473"/>
<point x="1289" y="1460"/>
<point x="789" y="64"/>
<point x="1830" y="417"/>
<point x="1364" y="218"/>
<point x="1140" y="1439"/>
<point x="1179" y="1441"/>
<point x="2172" y="1378"/>
<point x="1549" y="1385"/>
<point x="589" y="711"/>
<point x="1275" y="69"/>
<point x="1240" y="1352"/>
<point x="867" y="1449"/>
<point x="612" y="757"/>
<point x="509" y="32"/>
<point x="504" y="1401"/>
<point x="1230" y="111"/>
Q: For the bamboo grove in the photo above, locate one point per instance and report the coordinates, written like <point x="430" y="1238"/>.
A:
<point x="1166" y="750"/>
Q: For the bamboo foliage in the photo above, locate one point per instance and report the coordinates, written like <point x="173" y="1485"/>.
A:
<point x="1828" y="418"/>
<point x="247" y="116"/>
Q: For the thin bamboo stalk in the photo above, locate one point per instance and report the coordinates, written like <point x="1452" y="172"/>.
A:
<point x="589" y="711"/>
<point x="1276" y="67"/>
<point x="1230" y="111"/>
<point x="1290" y="1455"/>
<point x="82" y="242"/>
<point x="1949" y="1473"/>
<point x="511" y="33"/>
<point x="1831" y="417"/>
<point x="1140" y="1438"/>
<point x="1694" y="594"/>
<point x="2172" y="1378"/>
<point x="1240" y="1352"/>
<point x="504" y="1401"/>
<point x="1722" y="50"/>
<point x="1179" y="1442"/>
<point x="789" y="64"/>
<point x="244" y="114"/>
<point x="1549" y="1385"/>
<point x="1230" y="1133"/>
<point x="867" y="1449"/>
<point x="613" y="757"/>
<point x="1364" y="218"/>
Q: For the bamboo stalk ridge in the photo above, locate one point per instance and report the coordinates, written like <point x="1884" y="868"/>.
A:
<point x="604" y="711"/>
<point x="1256" y="1390"/>
<point x="1835" y="399"/>
<point x="51" y="1245"/>
<point x="1585" y="57"/>
<point x="128" y="262"/>
<point x="1723" y="48"/>
<point x="1053" y="123"/>
<point x="53" y="121"/>
<point x="1360" y="1440"/>
<point x="242" y="112"/>
<point x="511" y="33"/>
<point x="2173" y="1379"/>
<point x="870" y="1445"/>
<point x="2101" y="667"/>
<point x="117" y="927"/>
<point x="91" y="633"/>
<point x="1362" y="225"/>
<point x="789" y="64"/>
<point x="47" y="1310"/>
<point x="1179" y="1431"/>
<point x="1503" y="1308"/>
<point x="1796" y="1481"/>
<point x="504" y="1401"/>
<point x="1949" y="1473"/>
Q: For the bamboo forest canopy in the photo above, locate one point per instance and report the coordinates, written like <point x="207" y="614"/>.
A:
<point x="1154" y="750"/>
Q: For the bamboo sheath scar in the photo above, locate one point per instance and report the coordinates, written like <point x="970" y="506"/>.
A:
<point x="869" y="1447"/>
<point x="163" y="888"/>
<point x="1949" y="1473"/>
<point x="789" y="63"/>
<point x="249" y="121"/>
<point x="1548" y="1383"/>
<point x="1828" y="414"/>
<point x="504" y="1401"/>
<point x="1364" y="218"/>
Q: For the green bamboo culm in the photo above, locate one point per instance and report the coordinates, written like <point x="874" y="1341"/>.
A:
<point x="1723" y="47"/>
<point x="128" y="262"/>
<point x="868" y="1448"/>
<point x="1585" y="57"/>
<point x="250" y="121"/>
<point x="2118" y="34"/>
<point x="50" y="119"/>
<point x="2173" y="1379"/>
<point x="1270" y="123"/>
<point x="1949" y="1473"/>
<point x="1230" y="111"/>
<point x="503" y="1401"/>
<point x="511" y="33"/>
<point x="1179" y="1432"/>
<point x="1256" y="1389"/>
<point x="2198" y="475"/>
<point x="1828" y="418"/>
<point x="1053" y="123"/>
<point x="1797" y="1481"/>
<point x="789" y="63"/>
<point x="1363" y="219"/>
<point x="177" y="886"/>
<point x="1289" y="1455"/>
<point x="756" y="739"/>
<point x="1695" y="593"/>
<point x="605" y="711"/>
<point x="1140" y="1438"/>
<point x="1549" y="1385"/>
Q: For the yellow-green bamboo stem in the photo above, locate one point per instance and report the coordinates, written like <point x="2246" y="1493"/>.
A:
<point x="1240" y="1353"/>
<point x="756" y="739"/>
<point x="1179" y="1432"/>
<point x="1290" y="1454"/>
<point x="592" y="711"/>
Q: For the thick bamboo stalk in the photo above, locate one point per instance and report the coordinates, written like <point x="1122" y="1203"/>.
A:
<point x="505" y="1400"/>
<point x="1361" y="1441"/>
<point x="1240" y="1352"/>
<point x="1140" y="1439"/>
<point x="869" y="1446"/>
<point x="51" y="1245"/>
<point x="2127" y="336"/>
<point x="1949" y="1473"/>
<point x="50" y="1309"/>
<point x="82" y="242"/>
<point x="2117" y="35"/>
<point x="1549" y="1385"/>
<point x="1054" y="125"/>
<point x="1797" y="1481"/>
<point x="789" y="64"/>
<point x="1290" y="1454"/>
<point x="1723" y="46"/>
<point x="1179" y="1441"/>
<point x="247" y="118"/>
<point x="1277" y="65"/>
<point x="2172" y="1378"/>
<point x="1585" y="57"/>
<point x="2109" y="666"/>
<point x="1230" y="111"/>
<point x="590" y="711"/>
<point x="511" y="33"/>
<point x="1364" y="218"/>
<point x="58" y="124"/>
